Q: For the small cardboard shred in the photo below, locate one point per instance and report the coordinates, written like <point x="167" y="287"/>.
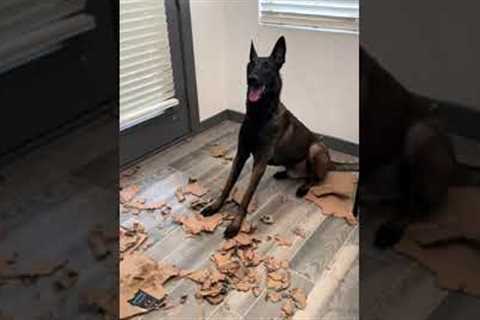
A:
<point x="341" y="184"/>
<point x="278" y="280"/>
<point x="288" y="309"/>
<point x="272" y="264"/>
<point x="247" y="227"/>
<point x="198" y="204"/>
<point x="197" y="223"/>
<point x="334" y="206"/>
<point x="195" y="188"/>
<point x="299" y="297"/>
<point x="273" y="296"/>
<point x="179" y="195"/>
<point x="127" y="194"/>
<point x="256" y="291"/>
<point x="300" y="232"/>
<point x="217" y="151"/>
<point x="140" y="272"/>
<point x="449" y="234"/>
<point x="237" y="195"/>
<point x="129" y="172"/>
<point x="281" y="241"/>
<point x="140" y="204"/>
<point x="334" y="195"/>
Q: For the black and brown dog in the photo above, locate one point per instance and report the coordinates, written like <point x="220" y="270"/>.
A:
<point x="398" y="126"/>
<point x="273" y="135"/>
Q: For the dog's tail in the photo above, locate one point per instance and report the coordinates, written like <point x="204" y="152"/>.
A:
<point x="466" y="175"/>
<point x="344" y="166"/>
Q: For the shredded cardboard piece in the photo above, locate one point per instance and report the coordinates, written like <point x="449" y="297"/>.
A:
<point x="217" y="151"/>
<point x="299" y="297"/>
<point x="449" y="234"/>
<point x="179" y="195"/>
<point x="196" y="223"/>
<point x="334" y="206"/>
<point x="195" y="189"/>
<point x="212" y="285"/>
<point x="273" y="296"/>
<point x="247" y="227"/>
<point x="67" y="279"/>
<point x="278" y="280"/>
<point x="237" y="195"/>
<point x="341" y="184"/>
<point x="288" y="309"/>
<point x="140" y="204"/>
<point x="129" y="172"/>
<point x="282" y="241"/>
<point x="300" y="232"/>
<point x="140" y="272"/>
<point x="131" y="241"/>
<point x="127" y="194"/>
<point x="334" y="195"/>
<point x="198" y="204"/>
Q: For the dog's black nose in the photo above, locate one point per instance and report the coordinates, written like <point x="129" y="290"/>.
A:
<point x="253" y="81"/>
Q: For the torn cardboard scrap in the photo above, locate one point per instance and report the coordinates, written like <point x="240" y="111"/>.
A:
<point x="334" y="195"/>
<point x="196" y="223"/>
<point x="195" y="189"/>
<point x="217" y="151"/>
<point x="127" y="194"/>
<point x="451" y="233"/>
<point x="138" y="272"/>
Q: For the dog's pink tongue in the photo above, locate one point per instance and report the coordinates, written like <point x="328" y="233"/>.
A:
<point x="255" y="94"/>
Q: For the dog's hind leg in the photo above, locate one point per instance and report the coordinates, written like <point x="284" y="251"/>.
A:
<point x="317" y="167"/>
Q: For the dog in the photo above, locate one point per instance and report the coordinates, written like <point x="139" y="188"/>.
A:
<point x="273" y="135"/>
<point x="398" y="126"/>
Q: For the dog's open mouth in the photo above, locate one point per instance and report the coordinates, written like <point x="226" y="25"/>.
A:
<point x="254" y="94"/>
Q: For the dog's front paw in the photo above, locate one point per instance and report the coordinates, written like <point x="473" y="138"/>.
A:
<point x="388" y="235"/>
<point x="232" y="230"/>
<point x="302" y="191"/>
<point x="209" y="210"/>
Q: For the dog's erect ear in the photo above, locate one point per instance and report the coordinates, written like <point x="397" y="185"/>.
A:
<point x="253" y="53"/>
<point x="278" y="52"/>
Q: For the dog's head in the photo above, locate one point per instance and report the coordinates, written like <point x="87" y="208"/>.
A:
<point x="263" y="73"/>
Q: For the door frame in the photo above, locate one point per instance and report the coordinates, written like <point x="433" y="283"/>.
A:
<point x="175" y="123"/>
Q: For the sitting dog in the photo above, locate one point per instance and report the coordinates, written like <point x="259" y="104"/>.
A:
<point x="398" y="126"/>
<point x="273" y="135"/>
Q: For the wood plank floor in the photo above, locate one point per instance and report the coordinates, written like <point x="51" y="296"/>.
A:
<point x="331" y="244"/>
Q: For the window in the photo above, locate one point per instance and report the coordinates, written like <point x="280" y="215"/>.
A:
<point x="146" y="77"/>
<point x="326" y="15"/>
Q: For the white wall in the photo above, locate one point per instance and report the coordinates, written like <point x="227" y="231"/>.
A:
<point x="208" y="29"/>
<point x="320" y="75"/>
<point x="431" y="46"/>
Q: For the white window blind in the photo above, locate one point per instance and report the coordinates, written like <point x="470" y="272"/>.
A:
<point x="146" y="78"/>
<point x="327" y="15"/>
<point x="30" y="28"/>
